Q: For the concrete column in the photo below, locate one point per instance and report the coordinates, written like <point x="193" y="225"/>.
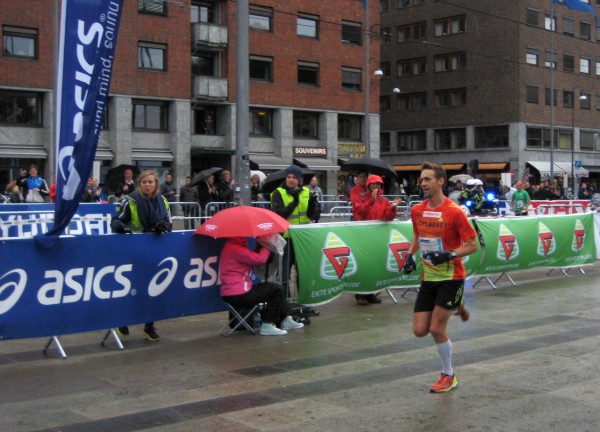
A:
<point x="180" y="141"/>
<point x="121" y="128"/>
<point x="329" y="133"/>
<point x="283" y="132"/>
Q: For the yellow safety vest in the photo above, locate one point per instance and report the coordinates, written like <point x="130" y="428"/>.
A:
<point x="135" y="222"/>
<point x="299" y="215"/>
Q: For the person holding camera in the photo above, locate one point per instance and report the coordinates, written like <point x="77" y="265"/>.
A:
<point x="443" y="234"/>
<point x="144" y="210"/>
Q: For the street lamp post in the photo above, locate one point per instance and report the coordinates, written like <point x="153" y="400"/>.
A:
<point x="581" y="97"/>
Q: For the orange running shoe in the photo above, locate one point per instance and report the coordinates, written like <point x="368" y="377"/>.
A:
<point x="463" y="313"/>
<point x="444" y="384"/>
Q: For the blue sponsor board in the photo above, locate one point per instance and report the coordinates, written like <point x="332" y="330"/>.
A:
<point x="98" y="282"/>
<point x="29" y="220"/>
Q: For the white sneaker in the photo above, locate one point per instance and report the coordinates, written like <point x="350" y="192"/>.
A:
<point x="268" y="329"/>
<point x="289" y="324"/>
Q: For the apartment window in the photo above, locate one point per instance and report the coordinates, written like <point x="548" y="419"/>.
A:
<point x="385" y="68"/>
<point x="532" y="94"/>
<point x="450" y="62"/>
<point x="150" y="115"/>
<point x="351" y="33"/>
<point x="585" y="30"/>
<point x="308" y="26"/>
<point x="450" y="139"/>
<point x="155" y="7"/>
<point x="447" y="26"/>
<point x="308" y="73"/>
<point x="584" y="65"/>
<point x="412" y="141"/>
<point x="384" y="5"/>
<point x="550" y="61"/>
<point x="349" y="127"/>
<point x="540" y="138"/>
<point x="261" y="122"/>
<point x="411" y="32"/>
<point x="569" y="62"/>
<point x="260" y="18"/>
<point x="412" y="101"/>
<point x="412" y="67"/>
<point x="450" y="98"/>
<point x="385" y="145"/>
<point x="20" y="108"/>
<point x="19" y="42"/>
<point x="589" y="140"/>
<point x="491" y="137"/>
<point x="597" y="102"/>
<point x="532" y="56"/>
<point x="261" y="68"/>
<point x="204" y="121"/>
<point x="550" y="22"/>
<point x="152" y="56"/>
<point x="351" y="78"/>
<point x="548" y="94"/>
<point x="567" y="98"/>
<point x="203" y="13"/>
<point x="306" y="125"/>
<point x="585" y="101"/>
<point x="203" y="64"/>
<point x="598" y="67"/>
<point x="386" y="37"/>
<point x="385" y="104"/>
<point x="533" y="17"/>
<point x="408" y="3"/>
<point x="568" y="26"/>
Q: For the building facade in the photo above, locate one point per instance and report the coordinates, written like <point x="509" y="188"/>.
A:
<point x="468" y="83"/>
<point x="172" y="98"/>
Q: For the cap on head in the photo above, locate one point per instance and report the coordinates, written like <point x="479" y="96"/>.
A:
<point x="374" y="179"/>
<point x="295" y="171"/>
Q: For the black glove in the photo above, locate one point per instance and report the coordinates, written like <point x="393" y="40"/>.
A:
<point x="438" y="257"/>
<point x="409" y="264"/>
<point x="296" y="195"/>
<point x="161" y="227"/>
<point x="123" y="229"/>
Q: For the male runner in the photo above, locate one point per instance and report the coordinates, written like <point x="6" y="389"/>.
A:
<point x="443" y="234"/>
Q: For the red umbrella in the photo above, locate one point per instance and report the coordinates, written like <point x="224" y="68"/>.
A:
<point x="243" y="221"/>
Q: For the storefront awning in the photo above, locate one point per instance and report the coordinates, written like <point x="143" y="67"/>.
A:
<point x="453" y="167"/>
<point x="152" y="155"/>
<point x="317" y="164"/>
<point x="566" y="167"/>
<point x="267" y="162"/>
<point x="544" y="168"/>
<point x="407" y="167"/>
<point x="492" y="166"/>
<point x="103" y="154"/>
<point x="23" y="152"/>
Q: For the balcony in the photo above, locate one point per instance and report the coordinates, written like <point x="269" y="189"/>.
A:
<point x="210" y="88"/>
<point x="211" y="36"/>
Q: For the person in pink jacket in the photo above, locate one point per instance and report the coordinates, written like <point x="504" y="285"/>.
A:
<point x="236" y="264"/>
<point x="372" y="206"/>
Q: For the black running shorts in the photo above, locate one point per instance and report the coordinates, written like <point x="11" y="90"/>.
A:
<point x="447" y="294"/>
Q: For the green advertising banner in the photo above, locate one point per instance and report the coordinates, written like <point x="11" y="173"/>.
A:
<point x="541" y="241"/>
<point x="359" y="257"/>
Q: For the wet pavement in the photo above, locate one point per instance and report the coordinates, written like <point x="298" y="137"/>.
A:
<point x="527" y="360"/>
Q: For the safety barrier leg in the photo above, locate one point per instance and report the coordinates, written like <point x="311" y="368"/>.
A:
<point x="507" y="276"/>
<point x="487" y="279"/>
<point x="58" y="347"/>
<point x="115" y="337"/>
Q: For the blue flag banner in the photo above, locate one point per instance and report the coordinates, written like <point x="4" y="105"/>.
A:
<point x="93" y="283"/>
<point x="88" y="39"/>
<point x="576" y="5"/>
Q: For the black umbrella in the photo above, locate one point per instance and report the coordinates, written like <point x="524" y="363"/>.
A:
<point x="275" y="180"/>
<point x="205" y="173"/>
<point x="116" y="176"/>
<point x="370" y="165"/>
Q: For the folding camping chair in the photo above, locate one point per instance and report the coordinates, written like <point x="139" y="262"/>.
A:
<point x="239" y="318"/>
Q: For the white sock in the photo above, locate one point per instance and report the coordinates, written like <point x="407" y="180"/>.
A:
<point x="445" y="350"/>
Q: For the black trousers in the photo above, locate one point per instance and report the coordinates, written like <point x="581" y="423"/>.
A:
<point x="266" y="292"/>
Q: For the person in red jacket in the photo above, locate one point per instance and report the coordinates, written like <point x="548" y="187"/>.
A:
<point x="359" y="194"/>
<point x="371" y="205"/>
